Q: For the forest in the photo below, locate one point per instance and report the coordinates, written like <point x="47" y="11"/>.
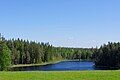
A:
<point x="107" y="56"/>
<point x="19" y="51"/>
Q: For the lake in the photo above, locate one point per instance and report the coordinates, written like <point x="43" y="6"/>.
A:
<point x="61" y="66"/>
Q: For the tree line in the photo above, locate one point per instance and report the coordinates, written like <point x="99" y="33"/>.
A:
<point x="107" y="56"/>
<point x="19" y="51"/>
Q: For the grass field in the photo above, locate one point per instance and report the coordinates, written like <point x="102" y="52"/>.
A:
<point x="62" y="75"/>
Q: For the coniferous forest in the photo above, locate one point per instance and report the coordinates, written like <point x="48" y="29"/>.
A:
<point x="19" y="51"/>
<point x="108" y="56"/>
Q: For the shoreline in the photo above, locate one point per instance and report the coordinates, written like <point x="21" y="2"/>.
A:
<point x="42" y="64"/>
<point x="30" y="65"/>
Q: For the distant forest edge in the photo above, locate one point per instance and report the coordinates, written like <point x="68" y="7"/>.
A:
<point x="19" y="51"/>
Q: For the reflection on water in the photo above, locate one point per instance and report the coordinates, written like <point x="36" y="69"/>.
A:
<point x="61" y="66"/>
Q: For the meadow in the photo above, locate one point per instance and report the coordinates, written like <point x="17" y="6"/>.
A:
<point x="61" y="75"/>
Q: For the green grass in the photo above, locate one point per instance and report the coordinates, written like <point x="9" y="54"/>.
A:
<point x="62" y="75"/>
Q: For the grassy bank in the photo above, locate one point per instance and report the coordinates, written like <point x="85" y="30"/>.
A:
<point x="27" y="65"/>
<point x="62" y="75"/>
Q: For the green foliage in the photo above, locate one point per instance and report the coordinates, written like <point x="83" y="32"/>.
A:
<point x="108" y="56"/>
<point x="5" y="58"/>
<point x="31" y="52"/>
<point x="25" y="52"/>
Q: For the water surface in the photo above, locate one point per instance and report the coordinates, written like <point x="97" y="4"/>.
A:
<point x="61" y="66"/>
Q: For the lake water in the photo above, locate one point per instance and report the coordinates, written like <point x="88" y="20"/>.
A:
<point x="61" y="66"/>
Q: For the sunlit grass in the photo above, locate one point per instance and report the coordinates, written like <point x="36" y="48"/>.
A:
<point x="62" y="75"/>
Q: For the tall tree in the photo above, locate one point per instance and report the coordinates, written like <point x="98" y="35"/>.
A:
<point x="5" y="58"/>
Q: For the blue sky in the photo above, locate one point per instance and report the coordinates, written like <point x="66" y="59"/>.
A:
<point x="71" y="23"/>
